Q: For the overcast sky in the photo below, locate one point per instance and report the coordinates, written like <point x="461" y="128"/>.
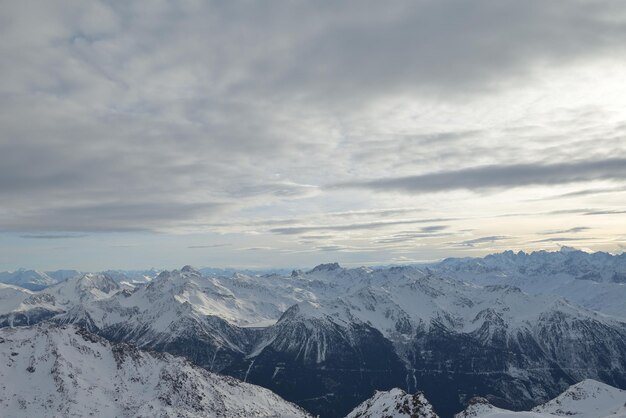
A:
<point x="286" y="134"/>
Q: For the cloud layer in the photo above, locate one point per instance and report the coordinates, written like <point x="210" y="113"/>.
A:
<point x="277" y="126"/>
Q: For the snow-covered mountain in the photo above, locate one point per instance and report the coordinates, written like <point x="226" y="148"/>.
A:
<point x="328" y="338"/>
<point x="594" y="280"/>
<point x="60" y="275"/>
<point x="132" y="276"/>
<point x="586" y="399"/>
<point x="28" y="279"/>
<point x="394" y="403"/>
<point x="66" y="371"/>
<point x="19" y="306"/>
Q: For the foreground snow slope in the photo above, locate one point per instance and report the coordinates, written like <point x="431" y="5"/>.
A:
<point x="586" y="399"/>
<point x="67" y="372"/>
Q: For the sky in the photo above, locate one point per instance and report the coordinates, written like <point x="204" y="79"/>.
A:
<point x="286" y="134"/>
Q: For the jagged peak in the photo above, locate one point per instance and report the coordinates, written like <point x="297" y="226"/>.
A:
<point x="394" y="403"/>
<point x="302" y="310"/>
<point x="100" y="281"/>
<point x="326" y="267"/>
<point x="476" y="407"/>
<point x="565" y="249"/>
<point x="189" y="269"/>
<point x="296" y="273"/>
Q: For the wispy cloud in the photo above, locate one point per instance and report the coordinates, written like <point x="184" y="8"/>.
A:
<point x="52" y="236"/>
<point x="208" y="246"/>
<point x="499" y="176"/>
<point x="573" y="230"/>
<point x="564" y="239"/>
<point x="353" y="227"/>
<point x="482" y="240"/>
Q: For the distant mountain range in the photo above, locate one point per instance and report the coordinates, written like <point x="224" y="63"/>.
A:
<point x="327" y="339"/>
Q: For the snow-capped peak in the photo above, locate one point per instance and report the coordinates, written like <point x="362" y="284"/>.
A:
<point x="325" y="267"/>
<point x="394" y="403"/>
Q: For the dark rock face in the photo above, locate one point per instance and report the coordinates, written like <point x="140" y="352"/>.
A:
<point x="26" y="318"/>
<point x="515" y="371"/>
<point x="213" y="344"/>
<point x="325" y="368"/>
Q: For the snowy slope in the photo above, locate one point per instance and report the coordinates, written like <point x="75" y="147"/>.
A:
<point x="19" y="306"/>
<point x="12" y="297"/>
<point x="60" y="275"/>
<point x="586" y="399"/>
<point x="394" y="403"/>
<point x="83" y="288"/>
<point x="67" y="372"/>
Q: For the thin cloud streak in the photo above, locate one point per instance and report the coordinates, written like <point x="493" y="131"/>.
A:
<point x="353" y="227"/>
<point x="52" y="236"/>
<point x="499" y="176"/>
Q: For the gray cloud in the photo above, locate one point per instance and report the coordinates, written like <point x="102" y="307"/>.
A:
<point x="573" y="230"/>
<point x="52" y="236"/>
<point x="497" y="176"/>
<point x="588" y="192"/>
<point x="231" y="117"/>
<point x="481" y="240"/>
<point x="564" y="239"/>
<point x="117" y="216"/>
<point x="445" y="46"/>
<point x="208" y="246"/>
<point x="606" y="212"/>
<point x="352" y="227"/>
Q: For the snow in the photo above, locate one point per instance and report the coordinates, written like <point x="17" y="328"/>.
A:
<point x="397" y="301"/>
<point x="30" y="279"/>
<point x="596" y="281"/>
<point x="46" y="371"/>
<point x="394" y="403"/>
<point x="586" y="399"/>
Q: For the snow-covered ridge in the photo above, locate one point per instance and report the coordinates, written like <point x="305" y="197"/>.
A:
<point x="28" y="279"/>
<point x="594" y="280"/>
<point x="598" y="266"/>
<point x="586" y="399"/>
<point x="65" y="371"/>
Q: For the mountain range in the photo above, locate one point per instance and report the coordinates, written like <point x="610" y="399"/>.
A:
<point x="328" y="338"/>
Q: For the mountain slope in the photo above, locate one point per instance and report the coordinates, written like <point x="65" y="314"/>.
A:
<point x="586" y="399"/>
<point x="19" y="306"/>
<point x="51" y="371"/>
